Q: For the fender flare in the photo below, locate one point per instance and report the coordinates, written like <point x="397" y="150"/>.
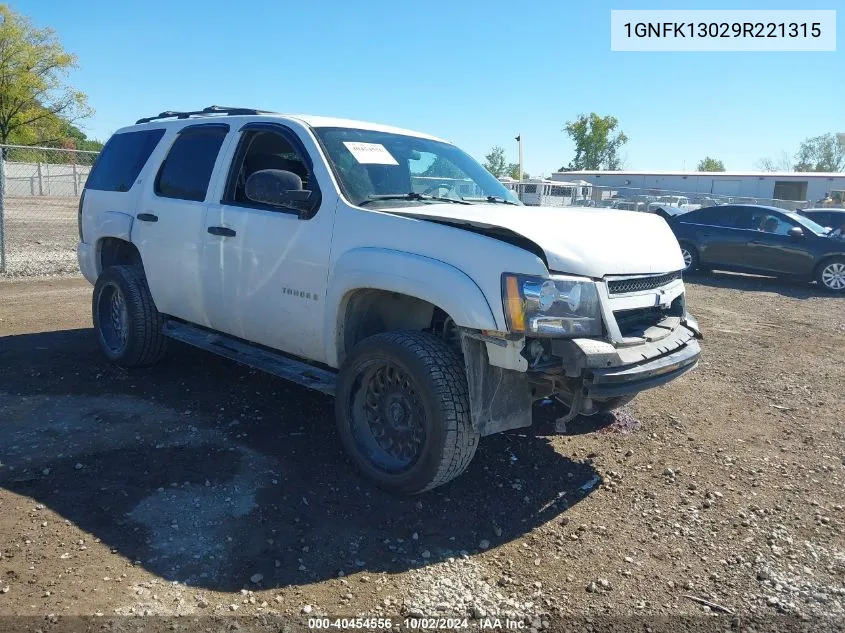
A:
<point x="109" y="224"/>
<point x="113" y="224"/>
<point x="418" y="276"/>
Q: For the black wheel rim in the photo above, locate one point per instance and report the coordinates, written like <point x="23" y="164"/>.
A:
<point x="388" y="419"/>
<point x="113" y="318"/>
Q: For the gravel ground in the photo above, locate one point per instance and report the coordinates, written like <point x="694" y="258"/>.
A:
<point x="210" y="492"/>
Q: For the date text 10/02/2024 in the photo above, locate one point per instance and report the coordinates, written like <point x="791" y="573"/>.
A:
<point x="433" y="624"/>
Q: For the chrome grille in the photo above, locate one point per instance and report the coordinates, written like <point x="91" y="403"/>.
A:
<point x="640" y="284"/>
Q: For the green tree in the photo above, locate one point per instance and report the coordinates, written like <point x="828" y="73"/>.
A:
<point x="821" y="153"/>
<point x="74" y="138"/>
<point x="36" y="103"/>
<point x="710" y="164"/>
<point x="495" y="162"/>
<point x="513" y="172"/>
<point x="597" y="142"/>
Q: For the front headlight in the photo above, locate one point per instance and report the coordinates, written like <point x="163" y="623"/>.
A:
<point x="551" y="307"/>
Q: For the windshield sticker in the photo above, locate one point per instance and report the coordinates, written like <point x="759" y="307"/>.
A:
<point x="370" y="153"/>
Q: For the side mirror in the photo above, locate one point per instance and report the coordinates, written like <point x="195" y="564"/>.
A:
<point x="796" y="232"/>
<point x="275" y="187"/>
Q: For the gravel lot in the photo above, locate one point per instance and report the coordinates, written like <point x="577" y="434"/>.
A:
<point x="201" y="488"/>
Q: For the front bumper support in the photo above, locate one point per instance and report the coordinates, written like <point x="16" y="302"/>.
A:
<point x="601" y="384"/>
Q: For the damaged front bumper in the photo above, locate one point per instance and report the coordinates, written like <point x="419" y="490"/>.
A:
<point x="601" y="384"/>
<point x="610" y="371"/>
<point x="588" y="375"/>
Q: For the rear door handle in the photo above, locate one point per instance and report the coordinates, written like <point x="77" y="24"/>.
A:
<point x="147" y="217"/>
<point x="222" y="231"/>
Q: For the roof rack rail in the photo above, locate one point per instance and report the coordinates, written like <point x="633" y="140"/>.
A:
<point x="171" y="114"/>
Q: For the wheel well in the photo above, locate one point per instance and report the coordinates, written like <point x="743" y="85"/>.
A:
<point x="369" y="311"/>
<point x="826" y="260"/>
<point x="116" y="252"/>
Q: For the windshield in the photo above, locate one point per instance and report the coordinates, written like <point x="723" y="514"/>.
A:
<point x="807" y="223"/>
<point x="381" y="169"/>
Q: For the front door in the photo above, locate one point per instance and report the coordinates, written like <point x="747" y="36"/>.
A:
<point x="169" y="226"/>
<point x="772" y="249"/>
<point x="265" y="268"/>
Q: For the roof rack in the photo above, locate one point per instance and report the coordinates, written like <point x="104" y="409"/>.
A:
<point x="170" y="114"/>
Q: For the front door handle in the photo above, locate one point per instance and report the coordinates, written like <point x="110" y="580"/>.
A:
<point x="222" y="231"/>
<point x="147" y="217"/>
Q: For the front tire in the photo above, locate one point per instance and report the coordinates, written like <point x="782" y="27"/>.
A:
<point x="128" y="326"/>
<point x="691" y="259"/>
<point x="831" y="275"/>
<point x="403" y="414"/>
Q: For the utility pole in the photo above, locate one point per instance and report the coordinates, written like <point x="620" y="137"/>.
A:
<point x="521" y="170"/>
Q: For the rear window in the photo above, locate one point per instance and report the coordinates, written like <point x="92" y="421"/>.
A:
<point x="122" y="159"/>
<point x="186" y="171"/>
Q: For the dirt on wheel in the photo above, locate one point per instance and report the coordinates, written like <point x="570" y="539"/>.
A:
<point x="201" y="489"/>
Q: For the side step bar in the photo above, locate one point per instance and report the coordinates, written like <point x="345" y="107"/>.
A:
<point x="253" y="356"/>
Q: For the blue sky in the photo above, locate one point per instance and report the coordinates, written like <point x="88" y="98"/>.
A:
<point x="477" y="72"/>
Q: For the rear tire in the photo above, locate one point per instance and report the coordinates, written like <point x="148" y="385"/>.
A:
<point x="402" y="409"/>
<point x="128" y="326"/>
<point x="691" y="259"/>
<point x="831" y="275"/>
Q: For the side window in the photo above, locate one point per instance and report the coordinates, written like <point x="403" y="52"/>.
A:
<point x="186" y="171"/>
<point x="259" y="150"/>
<point x="771" y="223"/>
<point x="712" y="216"/>
<point x="122" y="159"/>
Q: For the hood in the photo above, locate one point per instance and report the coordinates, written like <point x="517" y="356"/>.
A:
<point x="593" y="242"/>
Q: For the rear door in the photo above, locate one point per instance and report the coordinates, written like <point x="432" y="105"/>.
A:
<point x="169" y="226"/>
<point x="716" y="235"/>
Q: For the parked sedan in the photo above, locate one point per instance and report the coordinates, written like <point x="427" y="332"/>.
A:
<point x="830" y="218"/>
<point x="759" y="239"/>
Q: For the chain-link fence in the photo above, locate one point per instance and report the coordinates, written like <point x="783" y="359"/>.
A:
<point x="39" y="201"/>
<point x="634" y="199"/>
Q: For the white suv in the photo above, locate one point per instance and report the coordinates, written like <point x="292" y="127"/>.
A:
<point x="382" y="266"/>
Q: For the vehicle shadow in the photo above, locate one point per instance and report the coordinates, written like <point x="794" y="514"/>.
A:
<point x="209" y="473"/>
<point x="797" y="289"/>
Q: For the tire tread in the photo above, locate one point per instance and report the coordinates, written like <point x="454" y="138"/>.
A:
<point x="147" y="345"/>
<point x="445" y="369"/>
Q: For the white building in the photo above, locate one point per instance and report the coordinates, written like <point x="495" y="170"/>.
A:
<point x="762" y="186"/>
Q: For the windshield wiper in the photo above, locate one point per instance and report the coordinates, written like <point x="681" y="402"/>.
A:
<point x="411" y="195"/>
<point x="494" y="200"/>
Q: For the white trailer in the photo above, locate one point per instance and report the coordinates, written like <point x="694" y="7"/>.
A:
<point x="537" y="192"/>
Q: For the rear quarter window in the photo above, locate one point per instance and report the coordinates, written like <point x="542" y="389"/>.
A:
<point x="122" y="159"/>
